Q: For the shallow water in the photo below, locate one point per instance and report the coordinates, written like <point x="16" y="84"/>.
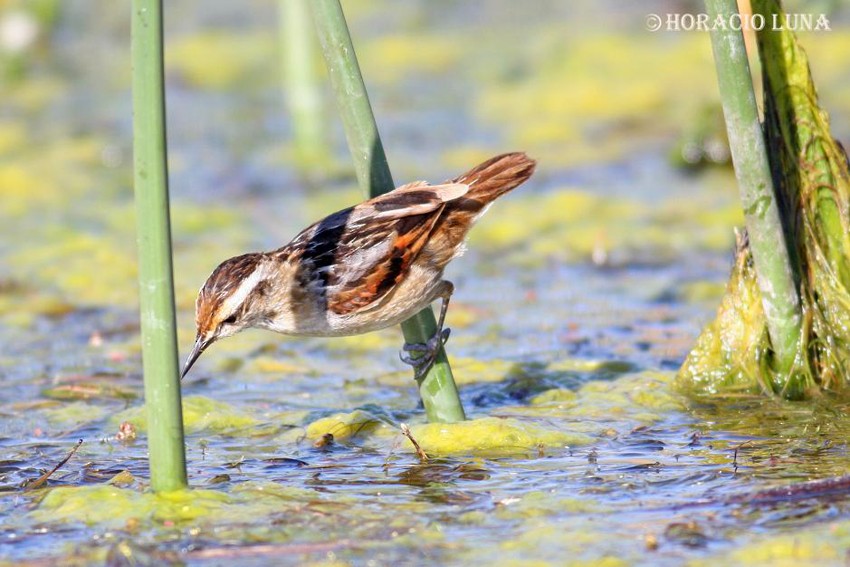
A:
<point x="575" y="305"/>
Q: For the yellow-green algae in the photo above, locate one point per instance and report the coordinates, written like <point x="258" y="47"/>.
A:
<point x="594" y="95"/>
<point x="595" y="409"/>
<point x="637" y="395"/>
<point x="276" y="366"/>
<point x="395" y="56"/>
<point x="90" y="259"/>
<point x="344" y="426"/>
<point x="68" y="263"/>
<point x="805" y="431"/>
<point x="825" y="544"/>
<point x="562" y="398"/>
<point x="473" y="371"/>
<point x="20" y="308"/>
<point x="626" y="84"/>
<point x="537" y="504"/>
<point x="813" y="185"/>
<point x="695" y="292"/>
<point x="221" y="59"/>
<point x="250" y="512"/>
<point x="201" y="413"/>
<point x="87" y="389"/>
<point x="574" y="225"/>
<point x="113" y="506"/>
<point x="476" y="371"/>
<point x="493" y="436"/>
<point x="542" y="543"/>
<point x="487" y="436"/>
<point x="730" y="353"/>
<point x="55" y="176"/>
<point x="601" y="408"/>
<point x="110" y="506"/>
<point x="12" y="135"/>
<point x="72" y="415"/>
<point x="370" y="342"/>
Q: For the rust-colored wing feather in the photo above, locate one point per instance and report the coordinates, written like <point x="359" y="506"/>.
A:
<point x="354" y="257"/>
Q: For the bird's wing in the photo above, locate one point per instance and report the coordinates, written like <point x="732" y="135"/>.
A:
<point x="356" y="256"/>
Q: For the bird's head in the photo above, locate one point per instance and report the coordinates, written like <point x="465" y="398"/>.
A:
<point x="229" y="301"/>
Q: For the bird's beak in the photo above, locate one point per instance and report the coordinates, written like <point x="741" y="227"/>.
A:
<point x="200" y="345"/>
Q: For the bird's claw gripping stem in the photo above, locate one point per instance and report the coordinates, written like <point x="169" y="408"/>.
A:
<point x="427" y="353"/>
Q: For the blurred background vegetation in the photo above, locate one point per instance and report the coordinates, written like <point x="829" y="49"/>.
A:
<point x="612" y="112"/>
<point x="616" y="116"/>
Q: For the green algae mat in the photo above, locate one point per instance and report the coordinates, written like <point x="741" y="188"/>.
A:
<point x="578" y="301"/>
<point x="810" y="169"/>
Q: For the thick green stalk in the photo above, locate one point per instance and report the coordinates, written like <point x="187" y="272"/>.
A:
<point x="437" y="389"/>
<point x="768" y="243"/>
<point x="156" y="287"/>
<point x="301" y="84"/>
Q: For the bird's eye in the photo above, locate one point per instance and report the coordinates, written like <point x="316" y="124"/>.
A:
<point x="230" y="320"/>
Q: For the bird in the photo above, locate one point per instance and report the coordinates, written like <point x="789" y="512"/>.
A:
<point x="361" y="269"/>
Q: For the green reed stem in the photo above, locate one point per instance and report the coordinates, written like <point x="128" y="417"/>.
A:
<point x="302" y="84"/>
<point x="156" y="286"/>
<point x="768" y="244"/>
<point x="437" y="389"/>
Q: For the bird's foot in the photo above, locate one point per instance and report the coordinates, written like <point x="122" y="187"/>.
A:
<point x="426" y="353"/>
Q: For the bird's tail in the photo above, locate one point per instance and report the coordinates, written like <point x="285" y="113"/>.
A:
<point x="495" y="177"/>
<point x="487" y="182"/>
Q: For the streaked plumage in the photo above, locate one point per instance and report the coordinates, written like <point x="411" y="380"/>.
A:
<point x="358" y="270"/>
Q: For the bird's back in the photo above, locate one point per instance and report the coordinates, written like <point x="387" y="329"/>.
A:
<point x="378" y="262"/>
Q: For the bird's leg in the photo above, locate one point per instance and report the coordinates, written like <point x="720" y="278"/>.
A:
<point x="426" y="353"/>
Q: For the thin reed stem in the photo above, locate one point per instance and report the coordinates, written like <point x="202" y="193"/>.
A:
<point x="302" y="85"/>
<point x="156" y="287"/>
<point x="768" y="244"/>
<point x="437" y="389"/>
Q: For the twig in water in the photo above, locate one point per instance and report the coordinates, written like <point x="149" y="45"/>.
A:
<point x="405" y="430"/>
<point x="42" y="480"/>
<point x="386" y="465"/>
<point x="735" y="454"/>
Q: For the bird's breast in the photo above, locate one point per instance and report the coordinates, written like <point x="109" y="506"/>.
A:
<point x="309" y="316"/>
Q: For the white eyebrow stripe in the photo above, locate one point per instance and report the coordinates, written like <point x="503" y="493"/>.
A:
<point x="232" y="303"/>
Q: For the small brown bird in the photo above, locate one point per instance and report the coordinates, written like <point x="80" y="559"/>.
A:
<point x="361" y="269"/>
